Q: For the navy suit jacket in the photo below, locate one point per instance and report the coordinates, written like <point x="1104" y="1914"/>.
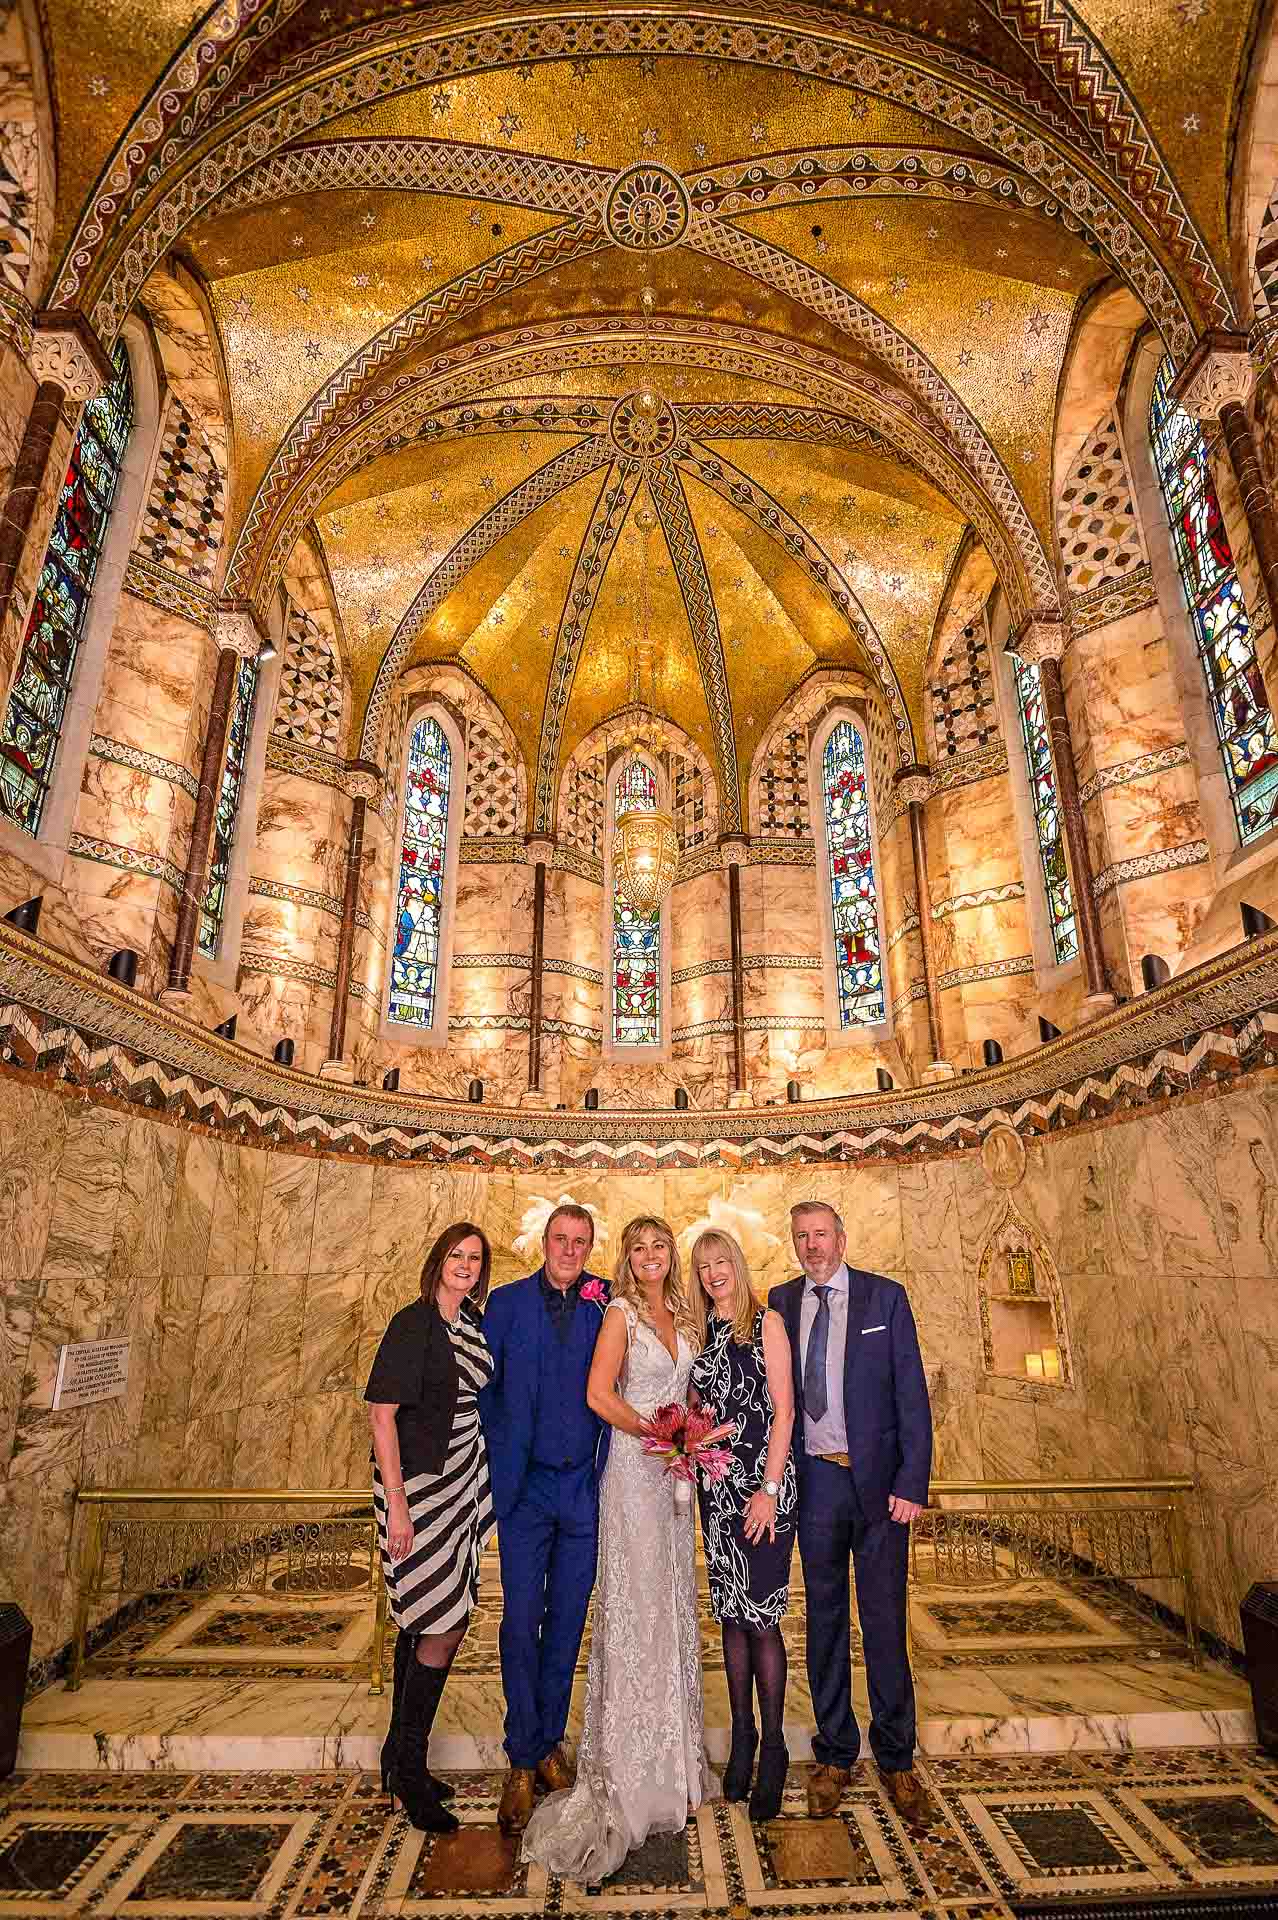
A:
<point x="517" y="1328"/>
<point x="885" y="1399"/>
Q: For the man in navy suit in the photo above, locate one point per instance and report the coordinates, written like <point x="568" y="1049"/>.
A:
<point x="863" y="1445"/>
<point x="546" y="1452"/>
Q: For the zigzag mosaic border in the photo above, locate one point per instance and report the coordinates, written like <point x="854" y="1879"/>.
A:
<point x="81" y="1030"/>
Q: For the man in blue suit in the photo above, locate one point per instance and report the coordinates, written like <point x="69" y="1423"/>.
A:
<point x="546" y="1452"/>
<point x="863" y="1445"/>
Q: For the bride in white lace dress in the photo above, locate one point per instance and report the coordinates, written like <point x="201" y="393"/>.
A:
<point x="641" y="1765"/>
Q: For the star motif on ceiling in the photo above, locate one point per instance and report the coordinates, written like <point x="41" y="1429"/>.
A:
<point x="758" y="132"/>
<point x="1191" y="123"/>
<point x="302" y="293"/>
<point x="475" y="217"/>
<point x="524" y="70"/>
<point x="368" y="219"/>
<point x="510" y="124"/>
<point x="934" y="233"/>
<point x="223" y="260"/>
<point x="1063" y="273"/>
<point x="899" y="284"/>
<point x="701" y="149"/>
<point x="1000" y="253"/>
<point x="581" y="69"/>
<point x="373" y="615"/>
<point x="252" y="367"/>
<point x="440" y="101"/>
<point x="499" y="618"/>
<point x="823" y="245"/>
<point x="99" y="87"/>
<point x="525" y="444"/>
<point x="985" y="309"/>
<point x="487" y="482"/>
<point x="647" y="65"/>
<point x="361" y="279"/>
<point x="1191" y="11"/>
<point x="650" y="136"/>
<point x="880" y="225"/>
<point x="581" y="140"/>
<point x="896" y="583"/>
<point x="892" y="522"/>
<point x="965" y="356"/>
<point x="242" y="307"/>
<point x="382" y="512"/>
<point x="1027" y="454"/>
<point x="436" y="495"/>
<point x="312" y="349"/>
<point x="297" y="240"/>
<point x="564" y="552"/>
<point x="1027" y="377"/>
<point x="428" y="263"/>
<point x="928" y="545"/>
<point x="1036" y="325"/>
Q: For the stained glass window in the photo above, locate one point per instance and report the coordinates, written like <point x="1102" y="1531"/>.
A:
<point x="1048" y="830"/>
<point x="420" y="915"/>
<point x="238" y="733"/>
<point x="37" y="705"/>
<point x="858" y="958"/>
<point x="1222" y="632"/>
<point x="636" y="936"/>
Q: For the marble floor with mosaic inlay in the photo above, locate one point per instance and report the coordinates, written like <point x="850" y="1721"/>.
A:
<point x="271" y="1681"/>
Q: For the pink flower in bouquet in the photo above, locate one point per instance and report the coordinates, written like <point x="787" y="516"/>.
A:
<point x="595" y="1292"/>
<point x="676" y="1434"/>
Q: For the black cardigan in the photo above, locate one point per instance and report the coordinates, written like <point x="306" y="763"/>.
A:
<point x="416" y="1369"/>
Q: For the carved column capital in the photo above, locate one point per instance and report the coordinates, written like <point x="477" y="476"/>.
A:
<point x="236" y="629"/>
<point x="734" y="850"/>
<point x="539" y="850"/>
<point x="913" y="783"/>
<point x="361" y="780"/>
<point x="1219" y="372"/>
<point x="66" y="352"/>
<point x="1040" y="637"/>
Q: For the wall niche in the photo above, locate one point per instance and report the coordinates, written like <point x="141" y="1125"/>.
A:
<point x="1023" y="1329"/>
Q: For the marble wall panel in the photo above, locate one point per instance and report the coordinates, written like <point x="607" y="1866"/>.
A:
<point x="32" y="557"/>
<point x="155" y="667"/>
<point x="195" y="1185"/>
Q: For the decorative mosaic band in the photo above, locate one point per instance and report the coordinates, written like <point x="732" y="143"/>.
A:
<point x="1125" y="771"/>
<point x="751" y="963"/>
<point x="908" y="925"/>
<point x="1143" y="866"/>
<point x="967" y="768"/>
<point x="15" y="321"/>
<point x="754" y="1023"/>
<point x="702" y="859"/>
<point x="478" y="850"/>
<point x="917" y="990"/>
<point x="309" y="763"/>
<point x="312" y="897"/>
<point x="1112" y="600"/>
<point x="522" y="962"/>
<point x="519" y="1023"/>
<point x="984" y="897"/>
<point x="145" y="580"/>
<point x="584" y="865"/>
<point x="783" y="853"/>
<point x="282" y="967"/>
<point x="122" y="755"/>
<point x="986" y="970"/>
<point x="128" y="859"/>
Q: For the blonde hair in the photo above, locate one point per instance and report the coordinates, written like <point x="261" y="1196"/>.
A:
<point x="626" y="1287"/>
<point x="744" y="1303"/>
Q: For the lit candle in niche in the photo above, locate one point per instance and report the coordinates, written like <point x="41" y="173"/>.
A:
<point x="1034" y="1366"/>
<point x="1051" y="1363"/>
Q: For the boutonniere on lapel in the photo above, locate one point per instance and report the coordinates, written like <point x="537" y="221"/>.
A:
<point x="596" y="1292"/>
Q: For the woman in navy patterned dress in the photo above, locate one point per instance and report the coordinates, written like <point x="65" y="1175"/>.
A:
<point x="747" y="1519"/>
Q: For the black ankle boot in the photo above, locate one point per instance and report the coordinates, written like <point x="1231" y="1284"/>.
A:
<point x="765" y="1801"/>
<point x="736" y="1775"/>
<point x="423" y="1687"/>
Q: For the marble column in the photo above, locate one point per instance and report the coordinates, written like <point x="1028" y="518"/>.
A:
<point x="238" y="637"/>
<point x="541" y="853"/>
<point x="735" y="852"/>
<point x="360" y="782"/>
<point x="1216" y="383"/>
<point x="1040" y="642"/>
<point x="914" y="784"/>
<point x="69" y="364"/>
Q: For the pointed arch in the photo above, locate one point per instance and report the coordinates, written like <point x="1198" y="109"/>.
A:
<point x="843" y="813"/>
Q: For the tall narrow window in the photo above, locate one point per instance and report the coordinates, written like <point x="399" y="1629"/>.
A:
<point x="636" y="936"/>
<point x="1047" y="813"/>
<point x="858" y="957"/>
<point x="1222" y="632"/>
<point x="238" y="734"/>
<point x="419" y="920"/>
<point x="38" y="703"/>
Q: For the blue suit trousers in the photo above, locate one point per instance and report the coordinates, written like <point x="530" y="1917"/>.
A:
<point x="548" y="1544"/>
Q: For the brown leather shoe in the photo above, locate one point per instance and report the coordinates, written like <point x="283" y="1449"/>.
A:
<point x="909" y="1796"/>
<point x="825" y="1789"/>
<point x="516" y="1807"/>
<point x="554" y="1772"/>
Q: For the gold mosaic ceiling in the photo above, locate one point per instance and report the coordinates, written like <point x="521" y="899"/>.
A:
<point x="866" y="291"/>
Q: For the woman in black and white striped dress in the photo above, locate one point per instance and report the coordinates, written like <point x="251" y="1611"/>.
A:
<point x="432" y="1499"/>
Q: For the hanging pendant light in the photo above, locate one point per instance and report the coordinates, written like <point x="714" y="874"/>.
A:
<point x="645" y="845"/>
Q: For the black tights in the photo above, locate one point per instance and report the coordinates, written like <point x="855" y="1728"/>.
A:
<point x="754" y="1660"/>
<point x="437" y="1649"/>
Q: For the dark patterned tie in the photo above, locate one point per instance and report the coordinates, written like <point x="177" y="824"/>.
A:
<point x="815" y="1399"/>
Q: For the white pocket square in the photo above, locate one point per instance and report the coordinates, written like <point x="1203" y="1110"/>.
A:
<point x="882" y="1329"/>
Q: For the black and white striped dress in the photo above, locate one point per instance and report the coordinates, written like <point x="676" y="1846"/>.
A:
<point x="437" y="1584"/>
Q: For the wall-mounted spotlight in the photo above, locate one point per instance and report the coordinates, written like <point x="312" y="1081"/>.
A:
<point x="1253" y="921"/>
<point x="123" y="966"/>
<point x="884" y="1079"/>
<point x="793" y="1092"/>
<point x="475" y="1093"/>
<point x="284" y="1053"/>
<point x="1046" y="1031"/>
<point x="227" y="1029"/>
<point x="681" y="1099"/>
<point x="390" y="1080"/>
<point x="26" y="918"/>
<point x="1154" y="971"/>
<point x="591" y="1100"/>
<point x="267" y="651"/>
<point x="991" y="1053"/>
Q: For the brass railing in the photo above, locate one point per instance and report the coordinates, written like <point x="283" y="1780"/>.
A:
<point x="1060" y="1531"/>
<point x="215" y="1552"/>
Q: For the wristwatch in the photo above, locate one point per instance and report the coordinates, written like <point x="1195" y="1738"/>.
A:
<point x="772" y="1488"/>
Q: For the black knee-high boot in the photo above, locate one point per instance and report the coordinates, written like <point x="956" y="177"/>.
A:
<point x="390" y="1746"/>
<point x="423" y="1689"/>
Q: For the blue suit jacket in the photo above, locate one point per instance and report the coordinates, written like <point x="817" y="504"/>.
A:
<point x="885" y="1399"/>
<point x="517" y="1328"/>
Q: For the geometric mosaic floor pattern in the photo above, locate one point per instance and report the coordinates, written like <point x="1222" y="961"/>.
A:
<point x="1008" y="1833"/>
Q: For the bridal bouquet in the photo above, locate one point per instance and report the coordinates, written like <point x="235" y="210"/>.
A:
<point x="676" y="1435"/>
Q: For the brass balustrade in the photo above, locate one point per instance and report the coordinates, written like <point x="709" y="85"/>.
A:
<point x="1058" y="1530"/>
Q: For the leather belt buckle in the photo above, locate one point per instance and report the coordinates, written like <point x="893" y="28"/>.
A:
<point x="836" y="1459"/>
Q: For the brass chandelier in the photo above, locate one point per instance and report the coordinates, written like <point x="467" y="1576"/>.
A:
<point x="645" y="845"/>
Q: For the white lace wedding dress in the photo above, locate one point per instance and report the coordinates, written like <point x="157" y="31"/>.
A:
<point x="641" y="1763"/>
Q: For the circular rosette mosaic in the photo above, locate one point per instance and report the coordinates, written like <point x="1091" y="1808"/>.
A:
<point x="647" y="209"/>
<point x="643" y="425"/>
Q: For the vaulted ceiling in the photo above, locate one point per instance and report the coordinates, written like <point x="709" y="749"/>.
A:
<point x="424" y="244"/>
